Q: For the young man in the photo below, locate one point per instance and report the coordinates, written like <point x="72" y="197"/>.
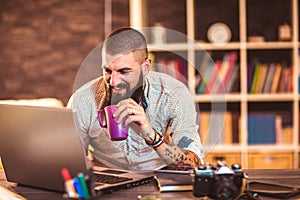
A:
<point x="158" y="109"/>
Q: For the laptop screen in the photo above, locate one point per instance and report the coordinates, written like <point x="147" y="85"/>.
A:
<point x="36" y="143"/>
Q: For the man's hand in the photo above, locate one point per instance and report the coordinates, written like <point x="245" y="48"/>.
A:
<point x="134" y="113"/>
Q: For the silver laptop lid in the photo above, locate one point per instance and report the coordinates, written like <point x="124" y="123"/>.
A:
<point x="36" y="143"/>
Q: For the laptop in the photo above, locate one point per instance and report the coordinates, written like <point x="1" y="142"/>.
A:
<point x="37" y="142"/>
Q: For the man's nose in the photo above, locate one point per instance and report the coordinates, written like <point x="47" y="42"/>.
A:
<point x="114" y="79"/>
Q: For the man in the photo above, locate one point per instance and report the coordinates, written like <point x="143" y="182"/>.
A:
<point x="158" y="109"/>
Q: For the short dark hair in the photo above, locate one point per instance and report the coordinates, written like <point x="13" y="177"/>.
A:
<point x="126" y="40"/>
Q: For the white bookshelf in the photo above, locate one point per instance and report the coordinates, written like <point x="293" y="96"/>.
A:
<point x="138" y="16"/>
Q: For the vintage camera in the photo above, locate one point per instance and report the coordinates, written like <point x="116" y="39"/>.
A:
<point x="218" y="182"/>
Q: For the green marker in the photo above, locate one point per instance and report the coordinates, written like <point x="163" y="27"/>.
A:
<point x="83" y="186"/>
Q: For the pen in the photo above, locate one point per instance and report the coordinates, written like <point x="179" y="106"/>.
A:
<point x="69" y="187"/>
<point x="83" y="186"/>
<point x="78" y="187"/>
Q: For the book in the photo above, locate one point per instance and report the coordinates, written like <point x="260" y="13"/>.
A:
<point x="236" y="85"/>
<point x="282" y="80"/>
<point x="219" y="81"/>
<point x="291" y="85"/>
<point x="255" y="79"/>
<point x="235" y="128"/>
<point x="228" y="128"/>
<point x="172" y="69"/>
<point x="276" y="78"/>
<point x="168" y="182"/>
<point x="287" y="128"/>
<point x="205" y="74"/>
<point x="250" y="72"/>
<point x="161" y="65"/>
<point x="286" y="80"/>
<point x="216" y="128"/>
<point x="262" y="128"/>
<point x="202" y="69"/>
<point x="204" y="127"/>
<point x="214" y="77"/>
<point x="226" y="72"/>
<point x="261" y="78"/>
<point x="269" y="78"/>
<point x="279" y="130"/>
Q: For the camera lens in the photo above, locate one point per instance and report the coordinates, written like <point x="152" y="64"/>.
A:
<point x="225" y="189"/>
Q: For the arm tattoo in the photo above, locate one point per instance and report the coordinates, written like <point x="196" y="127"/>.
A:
<point x="180" y="156"/>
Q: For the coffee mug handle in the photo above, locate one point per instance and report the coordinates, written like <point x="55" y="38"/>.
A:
<point x="101" y="118"/>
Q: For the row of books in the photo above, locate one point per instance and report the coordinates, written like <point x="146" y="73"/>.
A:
<point x="269" y="78"/>
<point x="263" y="128"/>
<point x="176" y="67"/>
<point x="223" y="76"/>
<point x="270" y="128"/>
<point x="219" y="128"/>
<point x="220" y="76"/>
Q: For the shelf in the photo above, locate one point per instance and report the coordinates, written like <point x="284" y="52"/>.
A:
<point x="270" y="97"/>
<point x="239" y="97"/>
<point x="223" y="148"/>
<point x="269" y="45"/>
<point x="203" y="98"/>
<point x="246" y="18"/>
<point x="251" y="148"/>
<point x="168" y="47"/>
<point x="270" y="148"/>
<point x="221" y="46"/>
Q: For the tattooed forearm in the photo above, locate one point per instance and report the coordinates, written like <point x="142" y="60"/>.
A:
<point x="172" y="154"/>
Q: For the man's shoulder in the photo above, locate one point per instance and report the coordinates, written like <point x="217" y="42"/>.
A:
<point x="84" y="94"/>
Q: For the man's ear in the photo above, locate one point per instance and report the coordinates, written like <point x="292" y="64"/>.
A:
<point x="147" y="66"/>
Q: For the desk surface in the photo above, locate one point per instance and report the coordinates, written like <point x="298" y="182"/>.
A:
<point x="286" y="177"/>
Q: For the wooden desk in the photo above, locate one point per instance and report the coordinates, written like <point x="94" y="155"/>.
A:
<point x="286" y="177"/>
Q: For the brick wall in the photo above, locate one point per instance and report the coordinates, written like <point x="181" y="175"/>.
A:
<point x="44" y="43"/>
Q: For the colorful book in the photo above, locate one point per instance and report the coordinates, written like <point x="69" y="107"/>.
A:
<point x="250" y="72"/>
<point x="255" y="79"/>
<point x="226" y="72"/>
<point x="261" y="128"/>
<point x="261" y="78"/>
<point x="214" y="77"/>
<point x="276" y="78"/>
<point x="269" y="78"/>
<point x="233" y="79"/>
<point x="205" y="77"/>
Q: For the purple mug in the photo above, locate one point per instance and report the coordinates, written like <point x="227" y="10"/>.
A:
<point x="106" y="120"/>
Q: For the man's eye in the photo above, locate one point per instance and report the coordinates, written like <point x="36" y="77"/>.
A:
<point x="107" y="71"/>
<point x="125" y="71"/>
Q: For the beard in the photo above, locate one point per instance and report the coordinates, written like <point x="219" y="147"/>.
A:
<point x="134" y="93"/>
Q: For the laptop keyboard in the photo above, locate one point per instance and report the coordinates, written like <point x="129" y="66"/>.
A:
<point x="102" y="178"/>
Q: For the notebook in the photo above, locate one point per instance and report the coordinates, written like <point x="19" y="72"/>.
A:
<point x="174" y="178"/>
<point x="37" y="142"/>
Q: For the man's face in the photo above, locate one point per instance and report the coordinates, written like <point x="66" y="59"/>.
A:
<point x="123" y="74"/>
